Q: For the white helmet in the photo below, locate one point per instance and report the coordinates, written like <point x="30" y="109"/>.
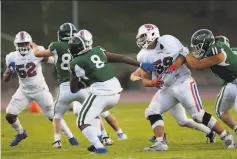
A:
<point x="147" y="33"/>
<point x="22" y="42"/>
<point x="87" y="36"/>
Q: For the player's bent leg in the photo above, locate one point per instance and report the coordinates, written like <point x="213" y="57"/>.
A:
<point x="77" y="106"/>
<point x="45" y="101"/>
<point x="112" y="121"/>
<point x="224" y="102"/>
<point x="105" y="137"/>
<point x="193" y="104"/>
<point x="18" y="103"/>
<point x="178" y="112"/>
<point x="92" y="107"/>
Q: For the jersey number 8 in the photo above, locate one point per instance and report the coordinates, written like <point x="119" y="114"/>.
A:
<point x="66" y="58"/>
<point x="97" y="61"/>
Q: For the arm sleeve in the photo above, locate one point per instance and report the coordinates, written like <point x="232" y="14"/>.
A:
<point x="52" y="48"/>
<point x="7" y="60"/>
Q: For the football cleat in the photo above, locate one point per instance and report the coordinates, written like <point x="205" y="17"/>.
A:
<point x="211" y="137"/>
<point x="91" y="148"/>
<point x="107" y="141"/>
<point x="18" y="138"/>
<point x="158" y="146"/>
<point x="229" y="141"/>
<point x="122" y="136"/>
<point x="101" y="151"/>
<point x="153" y="138"/>
<point x="57" y="144"/>
<point x="73" y="141"/>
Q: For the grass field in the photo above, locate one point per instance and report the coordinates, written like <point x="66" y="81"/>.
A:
<point x="183" y="142"/>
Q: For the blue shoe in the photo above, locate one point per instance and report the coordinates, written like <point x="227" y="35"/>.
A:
<point x="101" y="150"/>
<point x="18" y="139"/>
<point x="73" y="141"/>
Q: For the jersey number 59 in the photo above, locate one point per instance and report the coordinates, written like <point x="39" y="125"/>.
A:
<point x="162" y="65"/>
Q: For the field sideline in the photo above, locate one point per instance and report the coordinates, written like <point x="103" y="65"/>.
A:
<point x="183" y="142"/>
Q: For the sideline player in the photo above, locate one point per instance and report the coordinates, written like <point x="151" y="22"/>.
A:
<point x="32" y="85"/>
<point x="178" y="86"/>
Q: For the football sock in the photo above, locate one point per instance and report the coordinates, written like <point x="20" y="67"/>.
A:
<point x="96" y="123"/>
<point x="57" y="137"/>
<point x="192" y="124"/>
<point x="104" y="133"/>
<point x="65" y="129"/>
<point x="119" y="131"/>
<point x="223" y="134"/>
<point x="17" y="126"/>
<point x="88" y="132"/>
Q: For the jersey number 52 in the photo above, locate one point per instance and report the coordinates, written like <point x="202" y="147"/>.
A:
<point x="20" y="69"/>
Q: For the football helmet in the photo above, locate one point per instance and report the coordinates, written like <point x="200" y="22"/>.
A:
<point x="87" y="36"/>
<point x="66" y="31"/>
<point x="223" y="39"/>
<point x="76" y="46"/>
<point x="147" y="33"/>
<point x="22" y="42"/>
<point x="201" y="40"/>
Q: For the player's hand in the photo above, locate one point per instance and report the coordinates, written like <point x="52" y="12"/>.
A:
<point x="12" y="66"/>
<point x="148" y="67"/>
<point x="136" y="78"/>
<point x="172" y="68"/>
<point x="33" y="45"/>
<point x="184" y="51"/>
<point x="158" y="83"/>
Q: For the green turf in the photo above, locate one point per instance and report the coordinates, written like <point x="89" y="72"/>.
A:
<point x="183" y="142"/>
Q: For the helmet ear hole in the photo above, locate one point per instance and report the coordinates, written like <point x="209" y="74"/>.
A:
<point x="153" y="34"/>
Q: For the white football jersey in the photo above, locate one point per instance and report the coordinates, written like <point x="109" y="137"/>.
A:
<point x="164" y="54"/>
<point x="28" y="68"/>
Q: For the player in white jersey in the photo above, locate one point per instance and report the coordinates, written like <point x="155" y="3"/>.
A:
<point x="32" y="85"/>
<point x="178" y="112"/>
<point x="177" y="87"/>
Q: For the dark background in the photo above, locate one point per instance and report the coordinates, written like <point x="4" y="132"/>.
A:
<point x="114" y="26"/>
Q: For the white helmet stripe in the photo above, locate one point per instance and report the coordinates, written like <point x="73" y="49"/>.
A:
<point x="70" y="29"/>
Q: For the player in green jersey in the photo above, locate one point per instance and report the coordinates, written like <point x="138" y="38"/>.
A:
<point x="91" y="68"/>
<point x="59" y="50"/>
<point x="222" y="60"/>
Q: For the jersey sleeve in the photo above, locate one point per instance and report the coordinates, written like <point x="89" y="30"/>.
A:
<point x="53" y="47"/>
<point x="215" y="49"/>
<point x="9" y="59"/>
<point x="140" y="56"/>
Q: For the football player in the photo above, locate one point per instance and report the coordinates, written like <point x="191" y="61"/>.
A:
<point x="92" y="67"/>
<point x="178" y="86"/>
<point x="59" y="51"/>
<point x="215" y="53"/>
<point x="178" y="112"/>
<point x="110" y="119"/>
<point x="32" y="85"/>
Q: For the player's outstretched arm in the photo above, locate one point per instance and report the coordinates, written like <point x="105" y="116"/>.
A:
<point x="41" y="53"/>
<point x="204" y="63"/>
<point x="116" y="58"/>
<point x="136" y="75"/>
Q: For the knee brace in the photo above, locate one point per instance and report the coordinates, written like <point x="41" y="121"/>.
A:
<point x="11" y="118"/>
<point x="156" y="120"/>
<point x="205" y="118"/>
<point x="105" y="114"/>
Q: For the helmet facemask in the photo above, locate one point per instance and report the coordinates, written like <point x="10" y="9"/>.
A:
<point x="23" y="48"/>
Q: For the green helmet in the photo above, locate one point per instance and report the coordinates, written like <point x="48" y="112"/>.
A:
<point x="76" y="46"/>
<point x="201" y="40"/>
<point x="66" y="31"/>
<point x="223" y="39"/>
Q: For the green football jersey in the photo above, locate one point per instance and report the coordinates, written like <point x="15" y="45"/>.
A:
<point x="62" y="60"/>
<point x="226" y="70"/>
<point x="94" y="64"/>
